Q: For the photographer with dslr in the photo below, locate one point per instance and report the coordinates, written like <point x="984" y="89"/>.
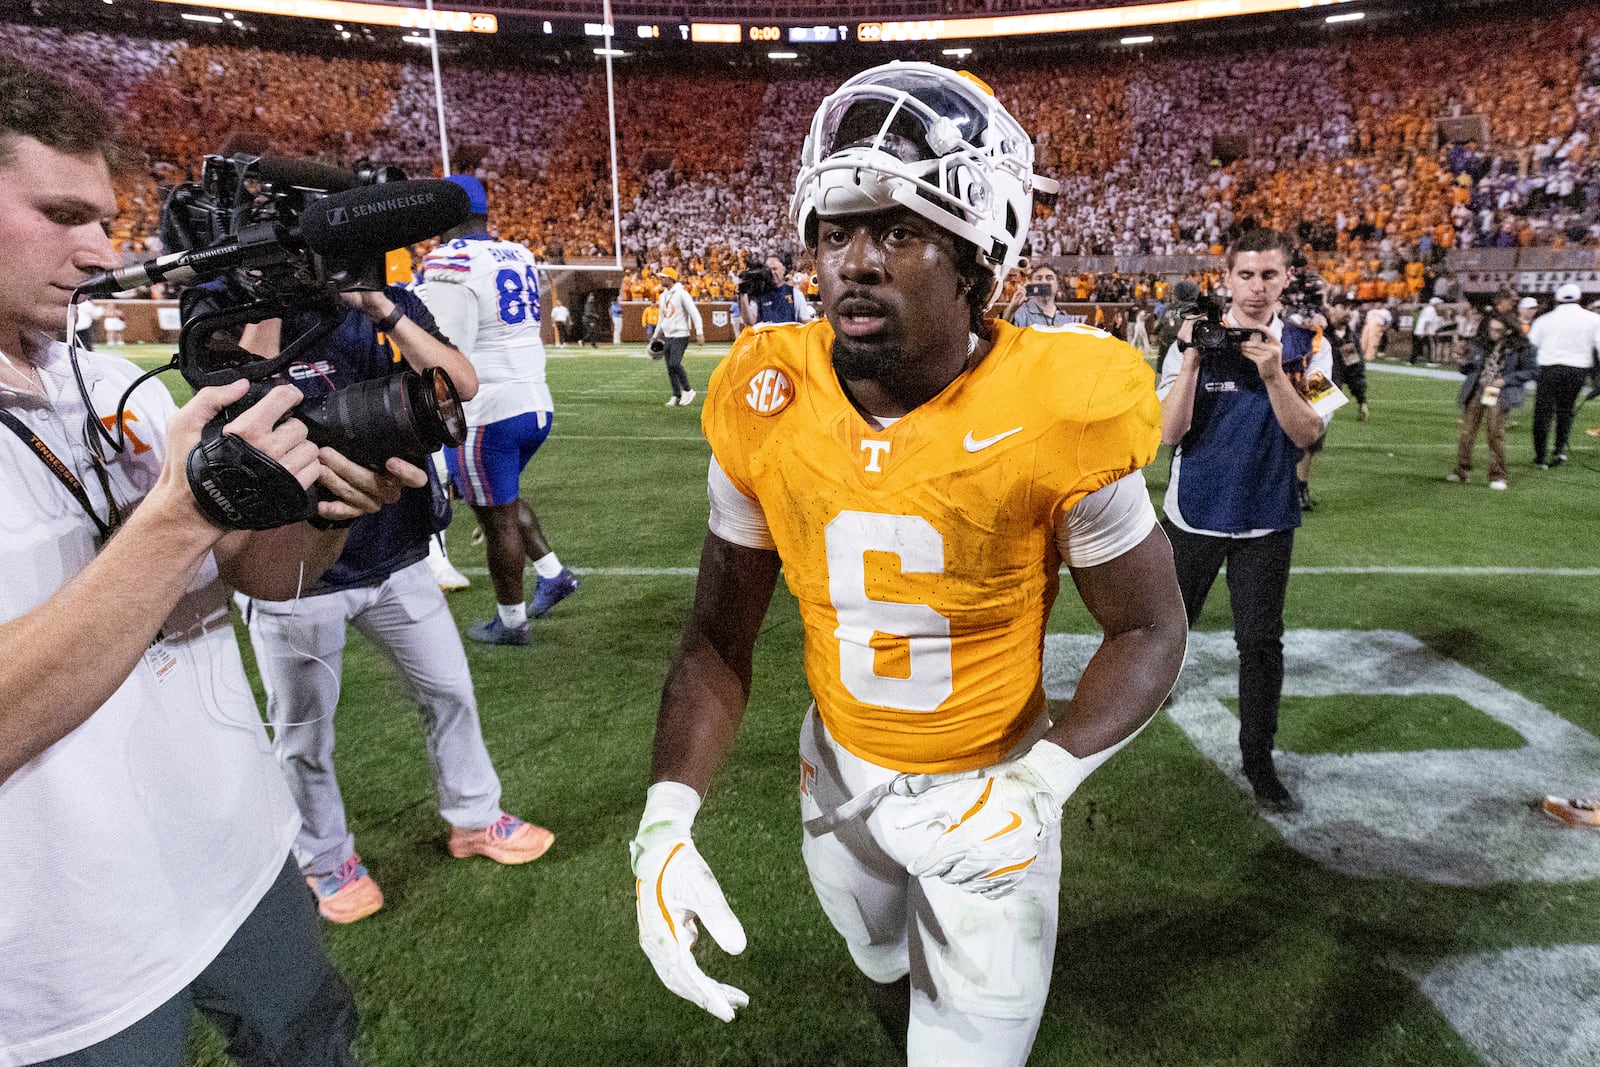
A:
<point x="1039" y="309"/>
<point x="765" y="295"/>
<point x="381" y="584"/>
<point x="144" y="825"/>
<point x="1234" y="405"/>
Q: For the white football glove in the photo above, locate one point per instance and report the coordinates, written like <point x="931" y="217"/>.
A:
<point x="674" y="888"/>
<point x="994" y="825"/>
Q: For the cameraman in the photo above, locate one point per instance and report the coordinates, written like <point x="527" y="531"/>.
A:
<point x="382" y="585"/>
<point x="765" y="295"/>
<point x="1349" y="369"/>
<point x="1240" y="424"/>
<point x="1039" y="309"/>
<point x="144" y="824"/>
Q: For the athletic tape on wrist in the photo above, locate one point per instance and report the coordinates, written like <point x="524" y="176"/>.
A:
<point x="669" y="802"/>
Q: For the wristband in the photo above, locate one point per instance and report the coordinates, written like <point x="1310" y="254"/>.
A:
<point x="391" y="320"/>
<point x="1059" y="769"/>
<point x="669" y="802"/>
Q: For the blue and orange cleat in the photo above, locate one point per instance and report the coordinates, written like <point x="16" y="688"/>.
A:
<point x="548" y="592"/>
<point x="495" y="632"/>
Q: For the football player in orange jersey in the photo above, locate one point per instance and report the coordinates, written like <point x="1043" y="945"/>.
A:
<point x="921" y="481"/>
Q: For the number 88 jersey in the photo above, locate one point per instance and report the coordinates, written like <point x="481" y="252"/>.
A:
<point x="924" y="555"/>
<point x="498" y="328"/>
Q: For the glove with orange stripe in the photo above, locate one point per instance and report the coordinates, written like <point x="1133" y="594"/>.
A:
<point x="995" y="824"/>
<point x="675" y="888"/>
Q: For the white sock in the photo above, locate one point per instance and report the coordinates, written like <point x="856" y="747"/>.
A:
<point x="513" y="615"/>
<point x="547" y="566"/>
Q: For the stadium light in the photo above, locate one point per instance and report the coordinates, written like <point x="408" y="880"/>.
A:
<point x="783" y="55"/>
<point x="1146" y="39"/>
<point x="609" y="52"/>
<point x="411" y="38"/>
<point x="958" y="53"/>
<point x="1354" y="16"/>
<point x="402" y="16"/>
<point x="202" y="18"/>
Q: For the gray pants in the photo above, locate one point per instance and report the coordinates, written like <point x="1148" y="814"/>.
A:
<point x="406" y="617"/>
<point x="271" y="991"/>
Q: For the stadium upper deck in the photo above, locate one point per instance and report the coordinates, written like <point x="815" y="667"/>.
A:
<point x="1335" y="135"/>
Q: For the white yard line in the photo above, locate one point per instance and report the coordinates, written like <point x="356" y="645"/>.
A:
<point x="1425" y="571"/>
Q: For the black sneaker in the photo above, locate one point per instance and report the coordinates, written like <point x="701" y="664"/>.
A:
<point x="1271" y="794"/>
<point x="1561" y="457"/>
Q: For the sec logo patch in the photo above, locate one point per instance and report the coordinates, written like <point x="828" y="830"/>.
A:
<point x="770" y="391"/>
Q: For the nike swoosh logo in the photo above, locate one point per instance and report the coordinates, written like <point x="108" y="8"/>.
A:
<point x="973" y="445"/>
<point x="1016" y="821"/>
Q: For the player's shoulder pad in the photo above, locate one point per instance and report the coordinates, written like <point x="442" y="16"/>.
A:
<point x="1081" y="373"/>
<point x="767" y="368"/>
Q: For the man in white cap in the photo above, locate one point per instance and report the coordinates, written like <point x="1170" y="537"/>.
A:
<point x="1566" y="338"/>
<point x="1527" y="311"/>
<point x="1424" y="331"/>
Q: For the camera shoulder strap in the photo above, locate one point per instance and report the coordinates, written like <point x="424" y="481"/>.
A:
<point x="64" y="474"/>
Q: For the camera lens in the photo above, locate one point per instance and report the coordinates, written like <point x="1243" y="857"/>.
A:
<point x="408" y="415"/>
<point x="1208" y="334"/>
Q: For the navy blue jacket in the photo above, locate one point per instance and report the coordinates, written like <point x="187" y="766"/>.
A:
<point x="397" y="536"/>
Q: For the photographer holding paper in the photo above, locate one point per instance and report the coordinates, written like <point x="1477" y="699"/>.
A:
<point x="1243" y="394"/>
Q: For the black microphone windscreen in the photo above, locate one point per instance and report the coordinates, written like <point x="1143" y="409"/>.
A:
<point x="301" y="174"/>
<point x="377" y="218"/>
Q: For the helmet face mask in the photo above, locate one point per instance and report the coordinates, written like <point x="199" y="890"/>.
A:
<point x="927" y="139"/>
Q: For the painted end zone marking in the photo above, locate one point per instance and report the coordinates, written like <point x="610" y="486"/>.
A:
<point x="1522" y="1006"/>
<point x="1451" y="817"/>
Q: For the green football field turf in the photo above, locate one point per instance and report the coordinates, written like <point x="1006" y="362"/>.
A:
<point x="1192" y="931"/>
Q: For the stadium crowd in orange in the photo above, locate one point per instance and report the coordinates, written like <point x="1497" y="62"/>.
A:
<point x="1335" y="140"/>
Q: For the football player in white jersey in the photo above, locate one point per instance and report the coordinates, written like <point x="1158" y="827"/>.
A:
<point x="484" y="294"/>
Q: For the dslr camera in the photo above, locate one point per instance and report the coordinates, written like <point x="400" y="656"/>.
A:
<point x="282" y="239"/>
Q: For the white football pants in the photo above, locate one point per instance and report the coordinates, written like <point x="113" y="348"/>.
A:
<point x="979" y="968"/>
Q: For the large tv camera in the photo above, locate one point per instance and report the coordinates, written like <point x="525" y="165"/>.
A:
<point x="282" y="239"/>
<point x="756" y="282"/>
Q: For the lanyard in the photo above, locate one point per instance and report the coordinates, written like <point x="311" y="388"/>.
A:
<point x="65" y="475"/>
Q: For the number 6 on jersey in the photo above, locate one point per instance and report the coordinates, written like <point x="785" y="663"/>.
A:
<point x="848" y="538"/>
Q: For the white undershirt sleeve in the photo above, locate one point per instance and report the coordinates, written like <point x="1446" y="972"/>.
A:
<point x="735" y="517"/>
<point x="1106" y="523"/>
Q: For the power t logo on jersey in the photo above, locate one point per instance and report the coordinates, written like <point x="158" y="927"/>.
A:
<point x="917" y="563"/>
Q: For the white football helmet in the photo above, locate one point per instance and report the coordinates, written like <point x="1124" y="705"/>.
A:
<point x="923" y="137"/>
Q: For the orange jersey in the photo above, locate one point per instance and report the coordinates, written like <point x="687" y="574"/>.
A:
<point x="924" y="555"/>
